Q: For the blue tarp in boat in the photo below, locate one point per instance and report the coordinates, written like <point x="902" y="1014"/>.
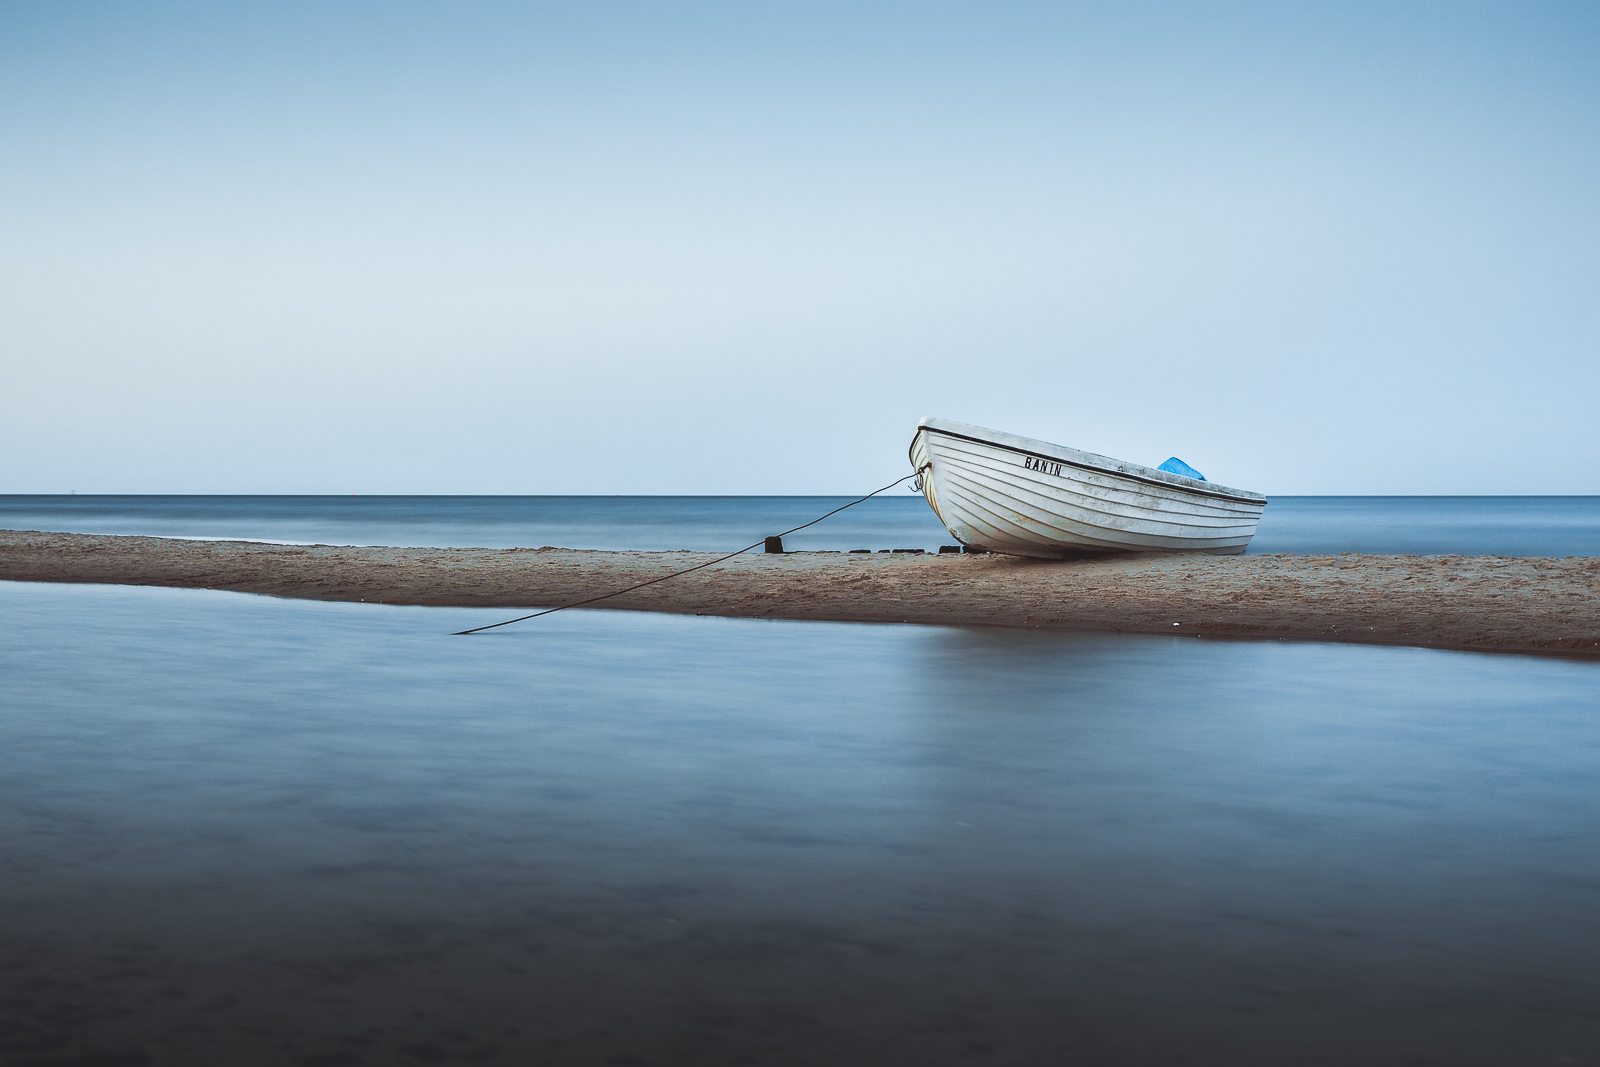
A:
<point x="1174" y="465"/>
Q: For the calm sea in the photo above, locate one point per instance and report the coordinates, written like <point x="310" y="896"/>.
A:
<point x="1513" y="526"/>
<point x="243" y="830"/>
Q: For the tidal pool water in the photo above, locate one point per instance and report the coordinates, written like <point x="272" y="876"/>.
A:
<point x="254" y="831"/>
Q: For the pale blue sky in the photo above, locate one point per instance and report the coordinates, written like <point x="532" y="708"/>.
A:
<point x="630" y="248"/>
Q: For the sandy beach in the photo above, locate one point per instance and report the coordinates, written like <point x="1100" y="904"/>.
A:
<point x="1480" y="603"/>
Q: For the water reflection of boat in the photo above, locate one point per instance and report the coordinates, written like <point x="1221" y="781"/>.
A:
<point x="1024" y="497"/>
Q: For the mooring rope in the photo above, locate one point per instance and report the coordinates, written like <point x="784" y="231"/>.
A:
<point x="686" y="570"/>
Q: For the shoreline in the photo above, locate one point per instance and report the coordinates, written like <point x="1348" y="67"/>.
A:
<point x="1474" y="603"/>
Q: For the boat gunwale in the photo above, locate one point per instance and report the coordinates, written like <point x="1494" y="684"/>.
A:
<point x="1237" y="496"/>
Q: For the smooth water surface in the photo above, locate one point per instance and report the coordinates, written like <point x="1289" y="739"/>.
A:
<point x="1508" y="526"/>
<point x="253" y="831"/>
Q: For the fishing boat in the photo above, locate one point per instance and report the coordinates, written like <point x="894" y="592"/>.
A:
<point x="1011" y="494"/>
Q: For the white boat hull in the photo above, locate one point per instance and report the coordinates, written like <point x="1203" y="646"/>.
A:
<point x="1023" y="497"/>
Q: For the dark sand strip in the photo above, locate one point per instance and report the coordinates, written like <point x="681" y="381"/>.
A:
<point x="1482" y="603"/>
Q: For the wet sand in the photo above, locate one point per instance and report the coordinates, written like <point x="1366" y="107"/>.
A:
<point x="1480" y="603"/>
